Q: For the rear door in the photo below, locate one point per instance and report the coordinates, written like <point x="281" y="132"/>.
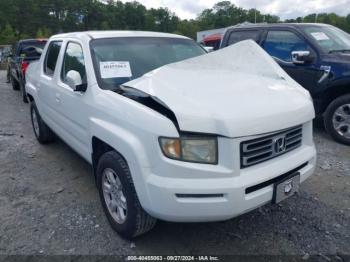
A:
<point x="46" y="88"/>
<point x="236" y="36"/>
<point x="280" y="43"/>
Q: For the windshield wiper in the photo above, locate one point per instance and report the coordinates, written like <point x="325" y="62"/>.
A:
<point x="339" y="51"/>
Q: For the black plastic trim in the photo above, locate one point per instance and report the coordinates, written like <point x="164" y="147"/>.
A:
<point x="199" y="195"/>
<point x="274" y="180"/>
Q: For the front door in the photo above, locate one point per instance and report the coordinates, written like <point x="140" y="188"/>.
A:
<point x="280" y="44"/>
<point x="72" y="106"/>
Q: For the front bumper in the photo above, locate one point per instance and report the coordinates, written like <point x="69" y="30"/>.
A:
<point x="186" y="192"/>
<point x="229" y="198"/>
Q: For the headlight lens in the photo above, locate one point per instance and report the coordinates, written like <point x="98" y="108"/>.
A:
<point x="191" y="149"/>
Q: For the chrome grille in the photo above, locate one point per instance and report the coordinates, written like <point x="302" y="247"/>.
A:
<point x="264" y="148"/>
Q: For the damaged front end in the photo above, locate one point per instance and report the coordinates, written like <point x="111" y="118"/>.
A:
<point x="150" y="101"/>
<point x="237" y="91"/>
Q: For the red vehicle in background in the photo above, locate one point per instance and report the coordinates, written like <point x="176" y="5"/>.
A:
<point x="213" y="41"/>
<point x="23" y="53"/>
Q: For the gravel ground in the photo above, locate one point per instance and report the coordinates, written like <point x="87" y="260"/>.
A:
<point x="49" y="205"/>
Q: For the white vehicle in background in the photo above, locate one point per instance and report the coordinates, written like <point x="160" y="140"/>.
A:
<point x="173" y="133"/>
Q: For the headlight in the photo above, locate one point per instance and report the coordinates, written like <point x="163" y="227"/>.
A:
<point x="191" y="149"/>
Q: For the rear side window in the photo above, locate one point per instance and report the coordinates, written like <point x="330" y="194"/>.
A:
<point x="73" y="60"/>
<point x="238" y="36"/>
<point x="281" y="44"/>
<point x="51" y="57"/>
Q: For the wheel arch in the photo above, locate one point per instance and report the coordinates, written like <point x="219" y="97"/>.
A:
<point x="333" y="93"/>
<point x="31" y="91"/>
<point x="100" y="147"/>
<point x="30" y="97"/>
<point x="109" y="137"/>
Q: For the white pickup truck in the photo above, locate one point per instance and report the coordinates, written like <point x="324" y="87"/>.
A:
<point x="172" y="132"/>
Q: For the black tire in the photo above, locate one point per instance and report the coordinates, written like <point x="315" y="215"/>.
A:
<point x="137" y="221"/>
<point x="42" y="132"/>
<point x="328" y="119"/>
<point x="15" y="85"/>
<point x="24" y="93"/>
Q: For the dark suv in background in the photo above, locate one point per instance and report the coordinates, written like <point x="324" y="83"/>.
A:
<point x="317" y="56"/>
<point x="23" y="53"/>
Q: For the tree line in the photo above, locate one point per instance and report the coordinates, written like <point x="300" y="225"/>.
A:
<point x="21" y="19"/>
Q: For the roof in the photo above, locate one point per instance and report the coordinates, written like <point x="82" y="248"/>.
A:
<point x="214" y="37"/>
<point x="32" y="40"/>
<point x="112" y="34"/>
<point x="263" y="25"/>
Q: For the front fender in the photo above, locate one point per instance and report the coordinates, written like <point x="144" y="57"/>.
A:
<point x="121" y="140"/>
<point x="131" y="148"/>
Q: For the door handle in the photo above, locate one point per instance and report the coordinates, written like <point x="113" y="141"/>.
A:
<point x="326" y="72"/>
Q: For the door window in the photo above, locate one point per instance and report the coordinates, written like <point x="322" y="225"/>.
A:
<point x="237" y="36"/>
<point x="73" y="60"/>
<point x="51" y="57"/>
<point x="281" y="44"/>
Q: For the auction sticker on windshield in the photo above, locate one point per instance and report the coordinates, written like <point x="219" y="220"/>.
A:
<point x="115" y="69"/>
<point x="320" y="36"/>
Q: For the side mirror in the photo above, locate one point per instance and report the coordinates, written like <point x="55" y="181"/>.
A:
<point x="74" y="81"/>
<point x="301" y="57"/>
<point x="39" y="50"/>
<point x="209" y="49"/>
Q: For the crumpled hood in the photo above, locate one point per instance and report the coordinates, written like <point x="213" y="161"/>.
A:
<point x="236" y="91"/>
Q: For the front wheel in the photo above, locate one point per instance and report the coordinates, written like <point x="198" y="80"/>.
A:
<point x="119" y="199"/>
<point x="337" y="119"/>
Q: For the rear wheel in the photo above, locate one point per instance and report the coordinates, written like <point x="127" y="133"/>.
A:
<point x="42" y="132"/>
<point x="337" y="119"/>
<point x="119" y="198"/>
<point x="15" y="85"/>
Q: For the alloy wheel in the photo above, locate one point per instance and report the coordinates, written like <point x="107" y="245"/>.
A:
<point x="113" y="195"/>
<point x="341" y="121"/>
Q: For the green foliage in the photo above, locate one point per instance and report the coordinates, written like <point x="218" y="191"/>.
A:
<point x="225" y="14"/>
<point x="188" y="28"/>
<point x="7" y="35"/>
<point x="43" y="32"/>
<point x="42" y="18"/>
<point x="331" y="18"/>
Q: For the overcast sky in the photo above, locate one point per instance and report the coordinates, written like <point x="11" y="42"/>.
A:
<point x="283" y="8"/>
